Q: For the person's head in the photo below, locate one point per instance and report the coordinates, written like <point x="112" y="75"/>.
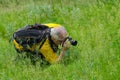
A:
<point x="58" y="34"/>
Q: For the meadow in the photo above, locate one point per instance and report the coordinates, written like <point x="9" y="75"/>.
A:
<point x="95" y="24"/>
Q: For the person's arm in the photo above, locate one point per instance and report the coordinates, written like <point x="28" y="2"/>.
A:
<point x="65" y="47"/>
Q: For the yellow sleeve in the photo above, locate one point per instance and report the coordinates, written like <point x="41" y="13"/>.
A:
<point x="48" y="53"/>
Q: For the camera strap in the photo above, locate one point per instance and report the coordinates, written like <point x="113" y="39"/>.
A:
<point x="64" y="40"/>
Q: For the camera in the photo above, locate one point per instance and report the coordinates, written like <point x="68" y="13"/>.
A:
<point x="73" y="42"/>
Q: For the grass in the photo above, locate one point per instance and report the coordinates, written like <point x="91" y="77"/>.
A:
<point x="93" y="23"/>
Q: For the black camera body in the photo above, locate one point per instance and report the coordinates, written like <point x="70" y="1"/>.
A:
<point x="73" y="42"/>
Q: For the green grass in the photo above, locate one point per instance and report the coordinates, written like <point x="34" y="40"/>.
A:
<point x="95" y="24"/>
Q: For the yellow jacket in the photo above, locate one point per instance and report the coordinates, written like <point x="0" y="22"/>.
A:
<point x="46" y="50"/>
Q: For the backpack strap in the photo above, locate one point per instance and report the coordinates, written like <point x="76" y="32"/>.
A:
<point x="53" y="45"/>
<point x="47" y="34"/>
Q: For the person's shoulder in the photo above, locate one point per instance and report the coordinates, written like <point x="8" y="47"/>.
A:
<point x="52" y="25"/>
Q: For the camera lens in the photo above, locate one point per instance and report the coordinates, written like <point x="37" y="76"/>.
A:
<point x="73" y="42"/>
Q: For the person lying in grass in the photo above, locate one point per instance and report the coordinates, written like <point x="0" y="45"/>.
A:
<point x="43" y="40"/>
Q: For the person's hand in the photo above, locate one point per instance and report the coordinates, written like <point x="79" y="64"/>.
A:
<point x="66" y="45"/>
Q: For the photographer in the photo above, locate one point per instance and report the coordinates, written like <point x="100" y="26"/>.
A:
<point x="43" y="40"/>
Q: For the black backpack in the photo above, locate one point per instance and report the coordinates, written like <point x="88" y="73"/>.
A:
<point x="32" y="34"/>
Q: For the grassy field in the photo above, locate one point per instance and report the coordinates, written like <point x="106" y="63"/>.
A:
<point x="95" y="24"/>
